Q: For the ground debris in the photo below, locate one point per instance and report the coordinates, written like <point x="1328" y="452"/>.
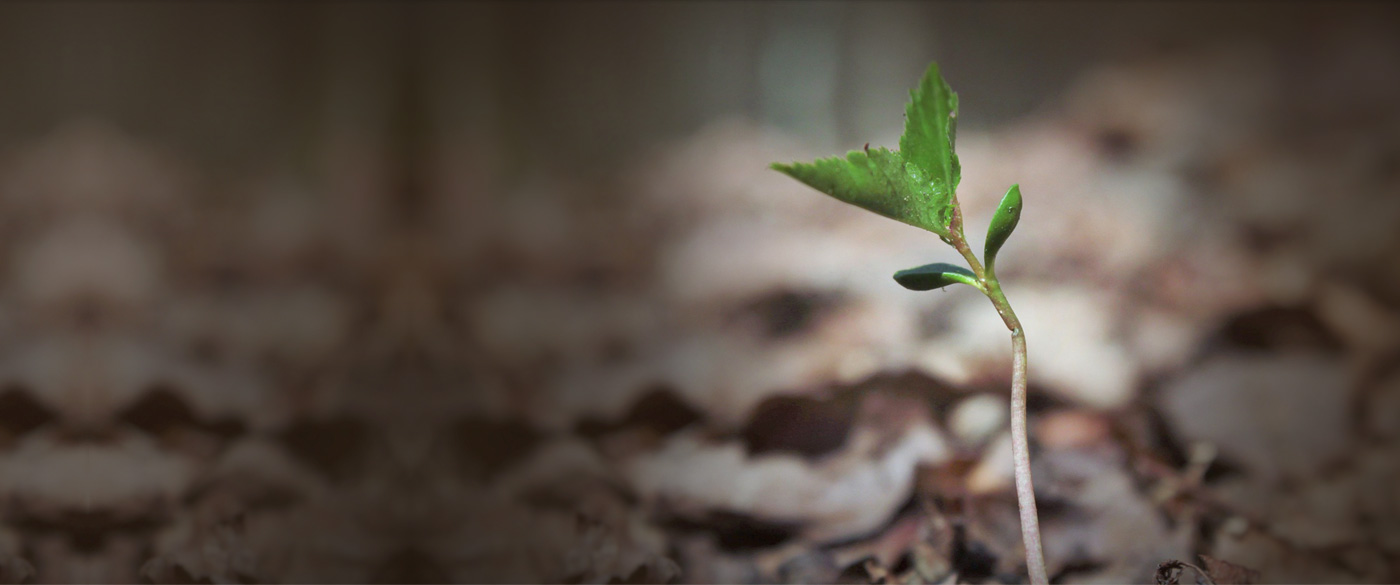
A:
<point x="699" y="371"/>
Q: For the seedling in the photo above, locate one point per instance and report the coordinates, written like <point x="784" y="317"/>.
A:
<point x="917" y="185"/>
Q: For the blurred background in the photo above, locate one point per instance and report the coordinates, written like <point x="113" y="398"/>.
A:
<point x="505" y="292"/>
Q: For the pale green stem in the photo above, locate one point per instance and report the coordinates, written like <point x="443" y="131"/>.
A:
<point x="1020" y="442"/>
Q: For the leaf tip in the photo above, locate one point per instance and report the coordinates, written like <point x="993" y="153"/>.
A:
<point x="789" y="169"/>
<point x="1004" y="221"/>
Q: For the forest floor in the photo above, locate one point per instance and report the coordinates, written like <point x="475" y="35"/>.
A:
<point x="702" y="370"/>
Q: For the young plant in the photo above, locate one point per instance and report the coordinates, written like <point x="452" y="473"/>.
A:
<point x="917" y="185"/>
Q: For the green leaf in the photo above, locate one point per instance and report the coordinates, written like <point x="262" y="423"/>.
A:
<point x="1003" y="223"/>
<point x="877" y="180"/>
<point x="934" y="276"/>
<point x="914" y="185"/>
<point x="930" y="131"/>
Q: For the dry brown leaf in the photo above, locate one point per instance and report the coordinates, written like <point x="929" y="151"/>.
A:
<point x="1227" y="573"/>
<point x="1277" y="414"/>
<point x="216" y="554"/>
<point x="845" y="494"/>
<point x="46" y="475"/>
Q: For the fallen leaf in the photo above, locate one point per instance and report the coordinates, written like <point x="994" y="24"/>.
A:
<point x="1227" y="573"/>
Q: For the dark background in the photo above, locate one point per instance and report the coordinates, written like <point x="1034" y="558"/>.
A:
<point x="352" y="292"/>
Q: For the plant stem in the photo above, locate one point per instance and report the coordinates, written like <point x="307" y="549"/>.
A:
<point x="1020" y="448"/>
<point x="1020" y="443"/>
